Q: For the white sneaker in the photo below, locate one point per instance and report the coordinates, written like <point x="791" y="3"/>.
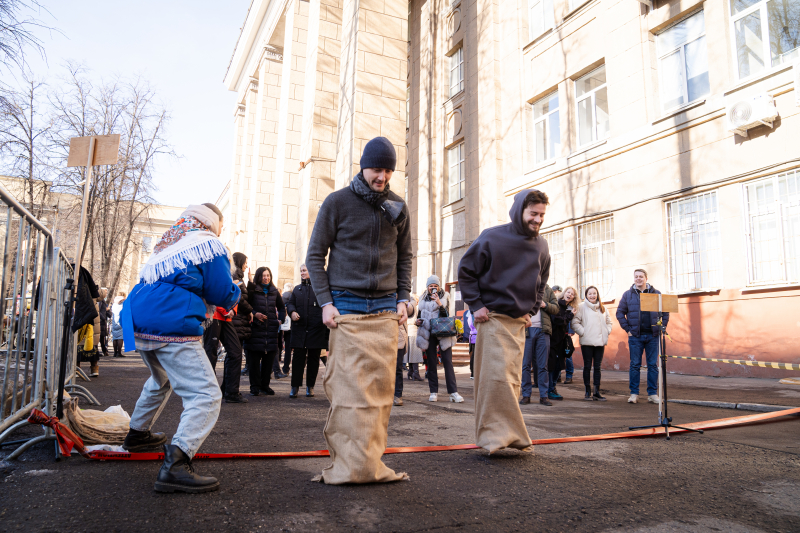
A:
<point x="434" y="397"/>
<point x="634" y="398"/>
<point x="456" y="398"/>
<point x="652" y="398"/>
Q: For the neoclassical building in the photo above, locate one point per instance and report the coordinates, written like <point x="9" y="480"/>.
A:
<point x="664" y="131"/>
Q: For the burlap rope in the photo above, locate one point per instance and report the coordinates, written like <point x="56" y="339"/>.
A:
<point x="359" y="383"/>
<point x="498" y="375"/>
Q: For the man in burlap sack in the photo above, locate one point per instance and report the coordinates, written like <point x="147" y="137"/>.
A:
<point x="363" y="291"/>
<point x="502" y="277"/>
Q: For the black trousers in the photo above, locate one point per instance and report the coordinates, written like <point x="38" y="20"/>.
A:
<point x="592" y="356"/>
<point x="276" y="363"/>
<point x="398" y="376"/>
<point x="118" y="347"/>
<point x="104" y="338"/>
<point x="471" y="359"/>
<point x="287" y="351"/>
<point x="224" y="332"/>
<point x="433" y="367"/>
<point x="260" y="366"/>
<point x="299" y="358"/>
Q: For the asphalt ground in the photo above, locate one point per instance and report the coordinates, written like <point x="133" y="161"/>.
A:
<point x="737" y="479"/>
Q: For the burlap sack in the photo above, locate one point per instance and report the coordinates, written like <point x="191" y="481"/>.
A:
<point x="359" y="383"/>
<point x="96" y="427"/>
<point x="498" y="373"/>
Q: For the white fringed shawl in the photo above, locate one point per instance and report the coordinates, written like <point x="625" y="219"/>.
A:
<point x="194" y="248"/>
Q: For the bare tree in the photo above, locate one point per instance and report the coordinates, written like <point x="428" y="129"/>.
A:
<point x="16" y="32"/>
<point x="24" y="128"/>
<point x="120" y="198"/>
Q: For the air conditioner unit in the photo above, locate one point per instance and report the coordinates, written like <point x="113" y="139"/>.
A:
<point x="746" y="113"/>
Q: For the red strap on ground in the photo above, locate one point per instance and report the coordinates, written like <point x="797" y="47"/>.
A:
<point x="708" y="424"/>
<point x="65" y="437"/>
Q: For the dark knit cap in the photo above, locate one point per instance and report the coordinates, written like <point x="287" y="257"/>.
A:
<point x="379" y="153"/>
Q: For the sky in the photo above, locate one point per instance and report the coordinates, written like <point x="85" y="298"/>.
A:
<point x="183" y="49"/>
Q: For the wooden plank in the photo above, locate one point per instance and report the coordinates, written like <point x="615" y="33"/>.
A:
<point x="669" y="303"/>
<point x="106" y="150"/>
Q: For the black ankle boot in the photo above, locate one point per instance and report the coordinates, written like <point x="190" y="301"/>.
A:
<point x="597" y="396"/>
<point x="177" y="474"/>
<point x="588" y="396"/>
<point x="142" y="441"/>
<point x="293" y="392"/>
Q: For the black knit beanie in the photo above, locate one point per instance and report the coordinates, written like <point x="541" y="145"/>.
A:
<point x="379" y="153"/>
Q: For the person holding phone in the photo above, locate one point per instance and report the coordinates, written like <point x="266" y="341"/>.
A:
<point x="434" y="305"/>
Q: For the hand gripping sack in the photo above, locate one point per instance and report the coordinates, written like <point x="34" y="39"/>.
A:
<point x="359" y="383"/>
<point x="498" y="376"/>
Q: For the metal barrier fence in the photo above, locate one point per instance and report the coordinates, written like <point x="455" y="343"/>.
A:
<point x="33" y="299"/>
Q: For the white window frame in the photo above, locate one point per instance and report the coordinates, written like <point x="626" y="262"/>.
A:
<point x="681" y="48"/>
<point x="457" y="64"/>
<point x="765" y="48"/>
<point x="700" y="269"/>
<point x="591" y="94"/>
<point x="460" y="162"/>
<point x="778" y="211"/>
<point x="546" y="118"/>
<point x="555" y="242"/>
<point x="606" y="290"/>
<point x="544" y="10"/>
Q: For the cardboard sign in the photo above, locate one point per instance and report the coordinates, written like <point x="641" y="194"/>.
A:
<point x="106" y="150"/>
<point x="650" y="302"/>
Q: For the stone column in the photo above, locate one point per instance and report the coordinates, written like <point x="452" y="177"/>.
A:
<point x="245" y="165"/>
<point x="320" y="99"/>
<point x="287" y="162"/>
<point x="249" y="204"/>
<point x="238" y="146"/>
<point x="372" y="86"/>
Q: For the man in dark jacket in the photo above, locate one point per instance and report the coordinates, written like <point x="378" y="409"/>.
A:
<point x="502" y="277"/>
<point x="366" y="229"/>
<point x="105" y="314"/>
<point x="223" y="329"/>
<point x="537" y="351"/>
<point x="642" y="328"/>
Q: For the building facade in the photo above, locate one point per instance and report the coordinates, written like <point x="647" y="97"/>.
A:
<point x="621" y="111"/>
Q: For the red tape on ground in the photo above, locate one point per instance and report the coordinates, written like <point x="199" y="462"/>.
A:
<point x="708" y="424"/>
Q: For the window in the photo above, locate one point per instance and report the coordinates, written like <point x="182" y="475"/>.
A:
<point x="555" y="241"/>
<point x="694" y="242"/>
<point x="455" y="160"/>
<point x="597" y="257"/>
<point x="683" y="62"/>
<point x="766" y="34"/>
<point x="457" y="72"/>
<point x="773" y="228"/>
<point x="592" y="96"/>
<point x="540" y="17"/>
<point x="147" y="244"/>
<point x="546" y="128"/>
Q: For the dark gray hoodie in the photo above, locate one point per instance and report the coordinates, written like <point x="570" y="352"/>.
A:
<point x="505" y="268"/>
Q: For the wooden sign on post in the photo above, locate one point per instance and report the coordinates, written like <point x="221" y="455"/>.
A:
<point x="659" y="303"/>
<point x="106" y="150"/>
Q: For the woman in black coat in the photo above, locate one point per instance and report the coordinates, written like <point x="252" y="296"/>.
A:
<point x="557" y="357"/>
<point x="262" y="346"/>
<point x="309" y="335"/>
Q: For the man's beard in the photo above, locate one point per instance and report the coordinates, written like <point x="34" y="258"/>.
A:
<point x="533" y="232"/>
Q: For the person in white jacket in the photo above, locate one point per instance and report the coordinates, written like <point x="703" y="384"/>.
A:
<point x="593" y="325"/>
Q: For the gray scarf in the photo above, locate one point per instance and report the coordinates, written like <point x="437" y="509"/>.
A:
<point x="392" y="209"/>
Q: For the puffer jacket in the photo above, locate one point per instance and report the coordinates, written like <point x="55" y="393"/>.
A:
<point x="428" y="310"/>
<point x="241" y="320"/>
<point x="592" y="326"/>
<point x="551" y="308"/>
<point x="402" y="337"/>
<point x="97" y="324"/>
<point x="264" y="334"/>
<point x="629" y="311"/>
<point x="308" y="332"/>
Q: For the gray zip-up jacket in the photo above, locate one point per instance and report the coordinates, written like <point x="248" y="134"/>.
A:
<point x="368" y="256"/>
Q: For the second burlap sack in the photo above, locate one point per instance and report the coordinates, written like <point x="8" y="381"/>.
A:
<point x="498" y="372"/>
<point x="359" y="383"/>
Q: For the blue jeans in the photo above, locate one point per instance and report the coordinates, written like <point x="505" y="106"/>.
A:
<point x="185" y="368"/>
<point x="649" y="344"/>
<point x="348" y="303"/>
<point x="570" y="367"/>
<point x="537" y="342"/>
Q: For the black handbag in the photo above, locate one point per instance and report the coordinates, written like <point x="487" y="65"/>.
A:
<point x="569" y="347"/>
<point x="443" y="325"/>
